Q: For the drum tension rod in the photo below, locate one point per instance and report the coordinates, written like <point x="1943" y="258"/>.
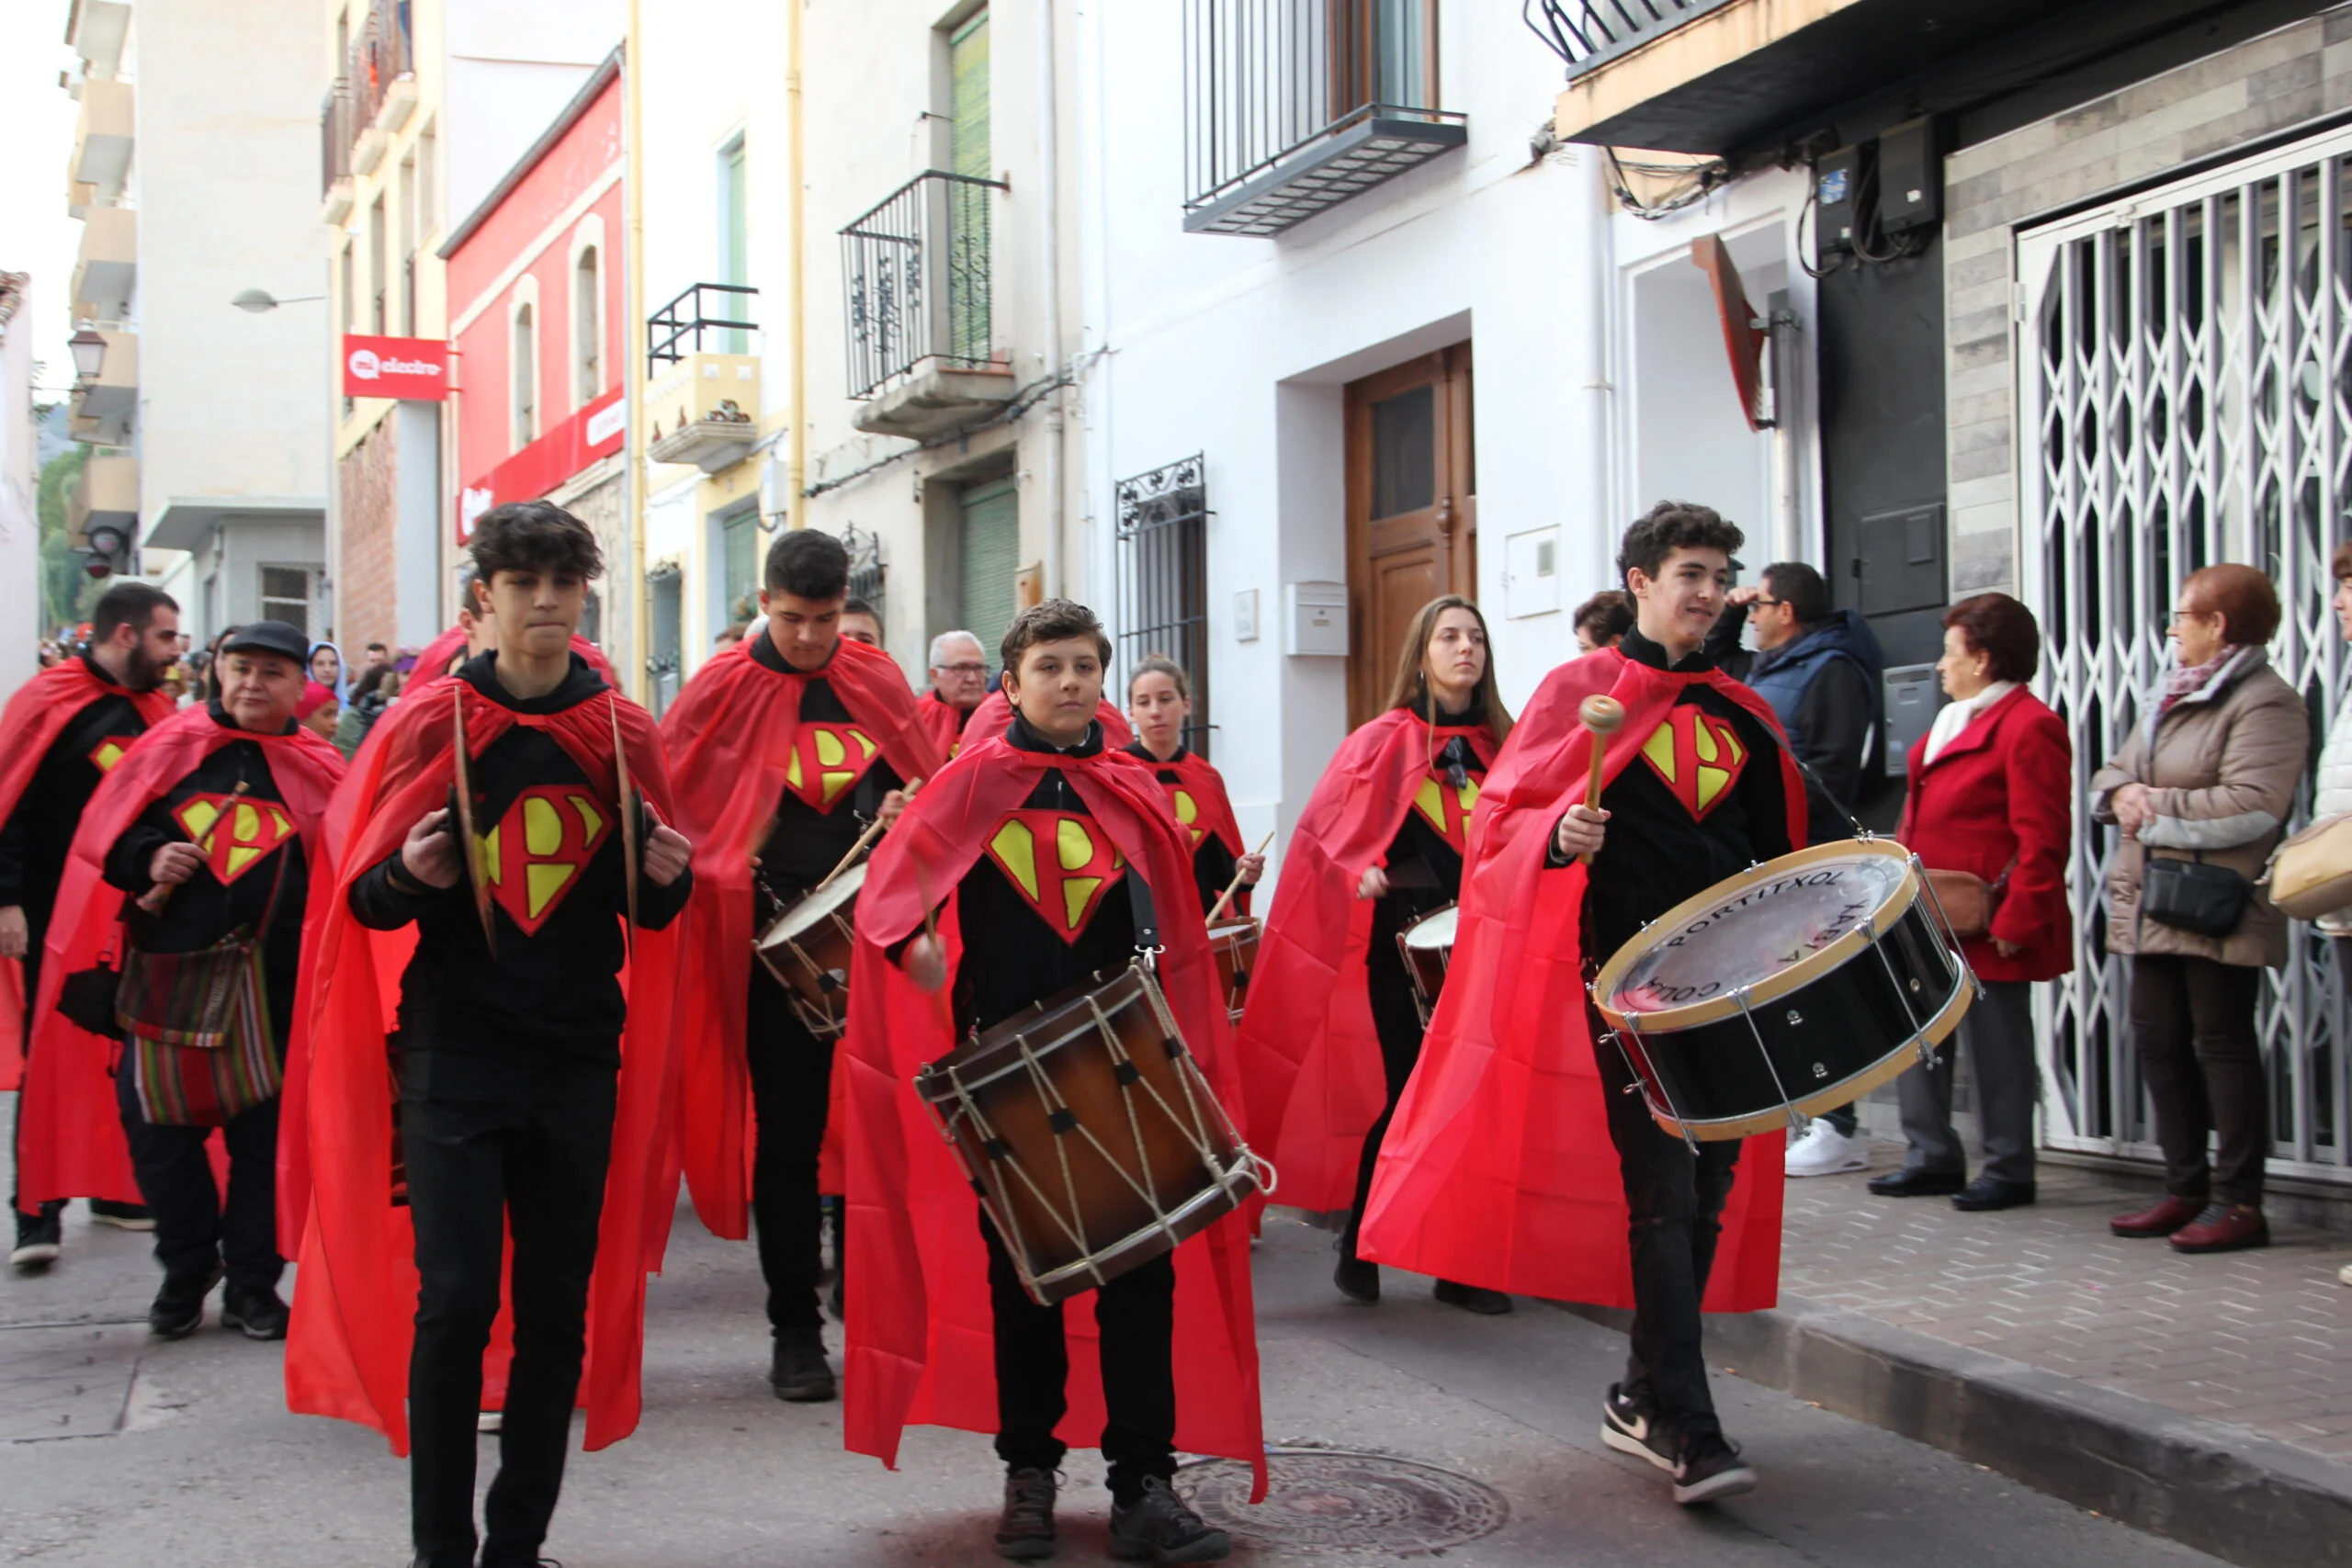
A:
<point x="1796" y="1120"/>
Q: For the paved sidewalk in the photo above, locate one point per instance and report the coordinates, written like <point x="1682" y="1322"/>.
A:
<point x="2260" y="1340"/>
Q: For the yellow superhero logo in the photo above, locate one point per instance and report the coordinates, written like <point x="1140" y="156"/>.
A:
<point x="1188" y="811"/>
<point x="826" y="760"/>
<point x="235" y="832"/>
<point x="1697" y="755"/>
<point x="1447" y="807"/>
<point x="1061" y="863"/>
<point x="108" y="753"/>
<point x="540" y="849"/>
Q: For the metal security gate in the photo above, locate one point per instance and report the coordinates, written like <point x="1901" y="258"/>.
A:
<point x="2185" y="392"/>
<point x="1160" y="588"/>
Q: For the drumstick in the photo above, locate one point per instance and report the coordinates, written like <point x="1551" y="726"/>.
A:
<point x="155" y="898"/>
<point x="873" y="832"/>
<point x="1235" y="886"/>
<point x="1601" y="715"/>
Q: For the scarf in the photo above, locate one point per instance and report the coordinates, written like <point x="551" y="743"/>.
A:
<point x="2186" y="681"/>
<point x="1955" y="716"/>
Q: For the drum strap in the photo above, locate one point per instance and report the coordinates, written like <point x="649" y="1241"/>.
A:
<point x="1147" y="917"/>
<point x="1815" y="780"/>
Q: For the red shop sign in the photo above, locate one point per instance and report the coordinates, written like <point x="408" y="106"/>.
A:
<point x="592" y="433"/>
<point x="413" y="367"/>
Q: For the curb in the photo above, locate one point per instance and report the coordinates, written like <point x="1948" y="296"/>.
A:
<point x="2248" y="1499"/>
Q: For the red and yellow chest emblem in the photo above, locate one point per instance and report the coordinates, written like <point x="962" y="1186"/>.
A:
<point x="1697" y="755"/>
<point x="540" y="849"/>
<point x="1446" y="806"/>
<point x="235" y="832"/>
<point x="1061" y="861"/>
<point x="827" y="759"/>
<point x="108" y="753"/>
<point x="1187" y="809"/>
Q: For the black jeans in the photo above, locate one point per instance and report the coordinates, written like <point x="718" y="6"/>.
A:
<point x="35" y="935"/>
<point x="1675" y="1200"/>
<point x="1397" y="1020"/>
<point x="1136" y="1316"/>
<point x="194" y="1228"/>
<point x="477" y="1168"/>
<point x="2193" y="1022"/>
<point x="791" y="1084"/>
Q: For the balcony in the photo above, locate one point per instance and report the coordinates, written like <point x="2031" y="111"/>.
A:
<point x="106" y="496"/>
<point x="115" y="389"/>
<point x="335" y="152"/>
<point x="702" y="390"/>
<point x="1292" y="107"/>
<point x="98" y="29"/>
<point x="383" y="70"/>
<point x="106" y="269"/>
<point x="918" y="297"/>
<point x="1719" y="76"/>
<point x="101" y="137"/>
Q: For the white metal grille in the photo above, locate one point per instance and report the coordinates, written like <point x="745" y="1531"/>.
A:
<point x="2185" y="388"/>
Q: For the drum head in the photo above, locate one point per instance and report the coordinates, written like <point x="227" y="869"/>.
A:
<point x="1232" y="932"/>
<point x="1767" y="929"/>
<point x="1434" y="929"/>
<point x="834" y="895"/>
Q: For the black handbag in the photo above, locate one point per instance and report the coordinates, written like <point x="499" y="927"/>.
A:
<point x="2190" y="895"/>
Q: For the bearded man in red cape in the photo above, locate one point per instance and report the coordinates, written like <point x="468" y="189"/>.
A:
<point x="211" y="822"/>
<point x="65" y="728"/>
<point x="783" y="747"/>
<point x="515" y="815"/>
<point x="1031" y="865"/>
<point x="1499" y="1168"/>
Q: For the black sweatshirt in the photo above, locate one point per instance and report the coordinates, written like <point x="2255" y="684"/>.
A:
<point x="39" y="831"/>
<point x="1656" y="852"/>
<point x="1212" y="861"/>
<point x="552" y="992"/>
<point x="810" y="841"/>
<point x="1424" y="867"/>
<point x="1012" y="954"/>
<point x="203" y="909"/>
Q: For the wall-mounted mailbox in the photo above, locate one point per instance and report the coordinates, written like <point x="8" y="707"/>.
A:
<point x="1912" y="699"/>
<point x="1315" y="619"/>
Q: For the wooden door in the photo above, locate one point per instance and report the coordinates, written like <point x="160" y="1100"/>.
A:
<point x="1412" y="509"/>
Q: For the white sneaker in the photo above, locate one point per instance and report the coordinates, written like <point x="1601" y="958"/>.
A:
<point x="491" y="1421"/>
<point x="1825" y="1151"/>
<point x="2343" y="1275"/>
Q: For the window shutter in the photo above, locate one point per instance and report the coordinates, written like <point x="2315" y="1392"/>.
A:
<point x="990" y="552"/>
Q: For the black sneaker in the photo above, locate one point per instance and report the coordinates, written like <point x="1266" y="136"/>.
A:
<point x="1358" y="1280"/>
<point x="1024" y="1531"/>
<point x="37" y="1238"/>
<point x="122" y="1216"/>
<point x="1630" y="1426"/>
<point x="256" y="1314"/>
<point x="179" y="1305"/>
<point x="800" y="1371"/>
<point x="1161" y="1527"/>
<point x="1709" y="1467"/>
<point x="1473" y="1298"/>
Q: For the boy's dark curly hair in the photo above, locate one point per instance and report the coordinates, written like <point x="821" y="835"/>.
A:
<point x="1673" y="525"/>
<point x="1052" y="621"/>
<point x="535" y="536"/>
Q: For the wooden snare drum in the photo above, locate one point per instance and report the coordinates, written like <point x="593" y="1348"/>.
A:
<point x="807" y="948"/>
<point x="1089" y="1133"/>
<point x="1427" y="948"/>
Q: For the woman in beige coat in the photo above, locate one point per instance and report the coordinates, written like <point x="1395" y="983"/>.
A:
<point x="2208" y="773"/>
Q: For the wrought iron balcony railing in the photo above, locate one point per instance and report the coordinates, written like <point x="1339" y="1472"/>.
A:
<point x="916" y="281"/>
<point x="335" y="135"/>
<point x="381" y="54"/>
<point x="1588" y="34"/>
<point x="1292" y="106"/>
<point x="677" y="329"/>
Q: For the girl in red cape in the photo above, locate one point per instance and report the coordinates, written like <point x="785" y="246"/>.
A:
<point x="1159" y="695"/>
<point x="1517" y="1160"/>
<point x="940" y="1329"/>
<point x="782" y="747"/>
<point x="533" y="1020"/>
<point x="1332" y="1031"/>
<point x="73" y="1143"/>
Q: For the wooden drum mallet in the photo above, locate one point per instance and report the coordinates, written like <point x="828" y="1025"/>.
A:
<point x="1601" y="715"/>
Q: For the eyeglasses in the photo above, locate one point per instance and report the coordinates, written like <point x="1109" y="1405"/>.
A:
<point x="964" y="669"/>
<point x="1756" y="604"/>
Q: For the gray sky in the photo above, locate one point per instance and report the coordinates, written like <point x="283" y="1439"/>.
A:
<point x="36" y="140"/>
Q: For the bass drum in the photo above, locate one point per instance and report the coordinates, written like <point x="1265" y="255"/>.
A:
<point x="1794" y="987"/>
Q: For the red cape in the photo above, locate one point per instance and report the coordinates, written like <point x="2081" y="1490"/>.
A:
<point x="37" y="714"/>
<point x="445" y="653"/>
<point x="72" y="1144"/>
<point x="1499" y="1170"/>
<point x="731" y="736"/>
<point x="346" y="1355"/>
<point x="920" y="1336"/>
<point x="1310" y="1053"/>
<point x="945" y="722"/>
<point x="991" y="719"/>
<point x="1213" y="809"/>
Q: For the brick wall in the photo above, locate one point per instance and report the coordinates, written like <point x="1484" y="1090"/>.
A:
<point x="366" y="583"/>
<point x="2292" y="79"/>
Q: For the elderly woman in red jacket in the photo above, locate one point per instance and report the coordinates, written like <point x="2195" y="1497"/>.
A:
<point x="1991" y="787"/>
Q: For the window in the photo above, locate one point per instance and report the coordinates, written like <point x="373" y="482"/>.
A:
<point x="1159" y="585"/>
<point x="971" y="155"/>
<point x="739" y="569"/>
<point x="286" y="596"/>
<point x="587" y="330"/>
<point x="987" y="559"/>
<point x="406" y="249"/>
<point x="524" y="347"/>
<point x="428" y="210"/>
<point x="376" y="240"/>
<point x="734" y="232"/>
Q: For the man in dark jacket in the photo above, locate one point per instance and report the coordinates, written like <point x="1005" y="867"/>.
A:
<point x="1820" y="668"/>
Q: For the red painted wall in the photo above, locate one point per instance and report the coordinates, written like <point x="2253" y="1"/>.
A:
<point x="531" y="233"/>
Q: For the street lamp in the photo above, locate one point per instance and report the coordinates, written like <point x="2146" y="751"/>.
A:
<point x="89" y="349"/>
<point x="257" y="300"/>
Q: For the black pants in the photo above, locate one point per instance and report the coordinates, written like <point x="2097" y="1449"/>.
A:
<point x="1135" y="1315"/>
<point x="791" y="1082"/>
<point x="2193" y="1022"/>
<point x="1397" y="1020"/>
<point x="194" y="1228"/>
<point x="477" y="1168"/>
<point x="1676" y="1203"/>
<point x="35" y="935"/>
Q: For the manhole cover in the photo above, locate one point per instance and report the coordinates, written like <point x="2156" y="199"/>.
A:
<point x="1343" y="1500"/>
